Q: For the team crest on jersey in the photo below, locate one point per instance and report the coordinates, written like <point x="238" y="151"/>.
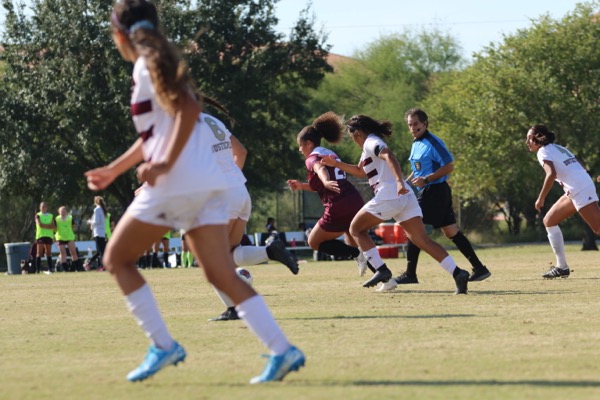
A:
<point x="417" y="166"/>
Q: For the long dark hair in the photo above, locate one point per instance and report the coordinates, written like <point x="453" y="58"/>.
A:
<point x="99" y="201"/>
<point x="382" y="128"/>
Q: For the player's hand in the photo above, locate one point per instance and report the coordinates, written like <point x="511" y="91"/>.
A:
<point x="402" y="189"/>
<point x="148" y="172"/>
<point x="332" y="186"/>
<point x="419" y="182"/>
<point x="539" y="203"/>
<point x="328" y="161"/>
<point x="294" y="184"/>
<point x="100" y="178"/>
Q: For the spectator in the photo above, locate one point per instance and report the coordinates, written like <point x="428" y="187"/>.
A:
<point x="65" y="238"/>
<point x="44" y="237"/>
<point x="271" y="225"/>
<point x="98" y="226"/>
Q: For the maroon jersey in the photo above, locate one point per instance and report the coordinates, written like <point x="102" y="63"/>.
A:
<point x="341" y="207"/>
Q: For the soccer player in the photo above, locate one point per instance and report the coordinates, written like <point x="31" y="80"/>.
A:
<point x="184" y="188"/>
<point x="340" y="199"/>
<point x="393" y="199"/>
<point x="231" y="157"/>
<point x="65" y="238"/>
<point x="431" y="163"/>
<point x="580" y="196"/>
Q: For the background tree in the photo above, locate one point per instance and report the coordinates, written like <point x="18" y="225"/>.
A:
<point x="386" y="78"/>
<point x="65" y="91"/>
<point x="546" y="74"/>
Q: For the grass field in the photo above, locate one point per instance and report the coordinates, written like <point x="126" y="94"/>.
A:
<point x="514" y="336"/>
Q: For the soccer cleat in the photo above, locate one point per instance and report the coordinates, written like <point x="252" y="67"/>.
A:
<point x="361" y="261"/>
<point x="462" y="281"/>
<point x="155" y="360"/>
<point x="228" y="315"/>
<point x="405" y="278"/>
<point x="480" y="274"/>
<point x="279" y="366"/>
<point x="383" y="274"/>
<point x="276" y="251"/>
<point x="556" y="272"/>
<point x="386" y="286"/>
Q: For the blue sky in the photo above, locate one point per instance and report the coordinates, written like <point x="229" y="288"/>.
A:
<point x="352" y="24"/>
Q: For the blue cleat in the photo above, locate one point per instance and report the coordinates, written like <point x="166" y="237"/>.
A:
<point x="279" y="366"/>
<point x="155" y="360"/>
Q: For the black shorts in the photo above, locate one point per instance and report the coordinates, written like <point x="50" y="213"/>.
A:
<point x="44" y="240"/>
<point x="436" y="203"/>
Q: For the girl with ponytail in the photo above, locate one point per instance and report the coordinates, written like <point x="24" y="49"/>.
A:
<point x="183" y="188"/>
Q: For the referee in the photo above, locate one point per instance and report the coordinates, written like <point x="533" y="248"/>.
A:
<point x="431" y="163"/>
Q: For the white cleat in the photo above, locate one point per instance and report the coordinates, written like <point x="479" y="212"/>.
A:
<point x="361" y="261"/>
<point x="386" y="286"/>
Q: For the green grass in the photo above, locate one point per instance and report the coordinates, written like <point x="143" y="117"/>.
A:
<point x="515" y="336"/>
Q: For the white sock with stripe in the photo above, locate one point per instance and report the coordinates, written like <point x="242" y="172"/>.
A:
<point x="373" y="257"/>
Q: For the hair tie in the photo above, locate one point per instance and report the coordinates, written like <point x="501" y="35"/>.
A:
<point x="141" y="24"/>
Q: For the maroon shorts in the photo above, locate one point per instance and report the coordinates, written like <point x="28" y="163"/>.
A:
<point x="339" y="214"/>
<point x="44" y="240"/>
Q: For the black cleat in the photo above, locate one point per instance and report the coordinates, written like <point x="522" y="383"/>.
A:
<point x="276" y="251"/>
<point x="405" y="278"/>
<point x="480" y="274"/>
<point x="462" y="279"/>
<point x="228" y="315"/>
<point x="383" y="274"/>
<point x="556" y="272"/>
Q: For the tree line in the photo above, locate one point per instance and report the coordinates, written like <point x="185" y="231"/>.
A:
<point x="64" y="100"/>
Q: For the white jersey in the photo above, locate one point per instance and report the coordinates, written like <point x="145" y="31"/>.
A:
<point x="196" y="169"/>
<point x="570" y="174"/>
<point x="223" y="149"/>
<point x="98" y="223"/>
<point x="381" y="177"/>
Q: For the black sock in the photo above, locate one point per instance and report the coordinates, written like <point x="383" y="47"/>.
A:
<point x="38" y="264"/>
<point x="463" y="244"/>
<point x="338" y="248"/>
<point x="412" y="258"/>
<point x="49" y="261"/>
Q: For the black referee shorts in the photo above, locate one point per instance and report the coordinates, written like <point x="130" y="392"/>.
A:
<point x="436" y="203"/>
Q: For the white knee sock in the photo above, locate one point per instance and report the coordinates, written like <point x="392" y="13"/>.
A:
<point x="224" y="298"/>
<point x="373" y="257"/>
<point x="448" y="264"/>
<point x="250" y="255"/>
<point x="142" y="305"/>
<point x="258" y="318"/>
<point x="557" y="243"/>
